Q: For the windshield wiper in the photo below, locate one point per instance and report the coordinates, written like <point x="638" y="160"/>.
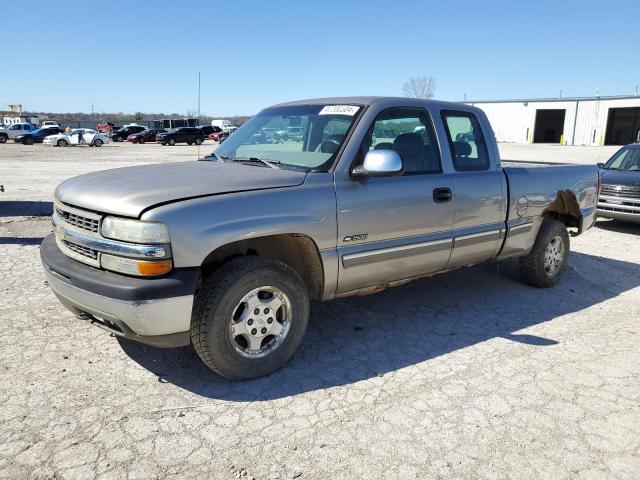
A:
<point x="268" y="163"/>
<point x="219" y="158"/>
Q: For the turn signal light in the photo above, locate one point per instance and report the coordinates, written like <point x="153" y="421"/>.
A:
<point x="149" y="269"/>
<point x="132" y="266"/>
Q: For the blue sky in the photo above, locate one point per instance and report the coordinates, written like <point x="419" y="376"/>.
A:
<point x="145" y="56"/>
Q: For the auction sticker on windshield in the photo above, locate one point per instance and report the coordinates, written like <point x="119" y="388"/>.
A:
<point x="339" y="110"/>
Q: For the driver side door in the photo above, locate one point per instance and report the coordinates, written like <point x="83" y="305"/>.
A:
<point x="74" y="137"/>
<point x="395" y="227"/>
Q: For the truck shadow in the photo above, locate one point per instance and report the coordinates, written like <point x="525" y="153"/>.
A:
<point x="25" y="208"/>
<point x="361" y="338"/>
<point x="619" y="226"/>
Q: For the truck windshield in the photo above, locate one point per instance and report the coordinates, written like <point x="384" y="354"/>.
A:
<point x="625" y="159"/>
<point x="303" y="136"/>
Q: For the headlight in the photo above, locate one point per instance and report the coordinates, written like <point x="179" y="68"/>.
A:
<point x="135" y="231"/>
<point x="131" y="266"/>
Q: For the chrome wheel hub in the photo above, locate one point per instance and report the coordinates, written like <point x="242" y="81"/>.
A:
<point x="260" y="322"/>
<point x="554" y="256"/>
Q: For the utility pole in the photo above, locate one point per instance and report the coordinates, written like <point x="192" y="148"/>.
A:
<point x="560" y="93"/>
<point x="198" y="97"/>
<point x="465" y="96"/>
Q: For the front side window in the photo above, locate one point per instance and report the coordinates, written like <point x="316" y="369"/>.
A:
<point x="466" y="141"/>
<point x="299" y="136"/>
<point x="408" y="131"/>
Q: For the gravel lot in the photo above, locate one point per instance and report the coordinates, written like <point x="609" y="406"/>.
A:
<point x="467" y="375"/>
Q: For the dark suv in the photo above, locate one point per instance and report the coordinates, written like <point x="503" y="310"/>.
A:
<point x="189" y="135"/>
<point x="121" y="134"/>
<point x="37" y="136"/>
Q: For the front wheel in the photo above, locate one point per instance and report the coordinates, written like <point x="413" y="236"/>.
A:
<point x="63" y="143"/>
<point x="198" y="141"/>
<point x="3" y="138"/>
<point x="249" y="317"/>
<point x="546" y="262"/>
<point x="29" y="141"/>
<point x="171" y="142"/>
<point x="141" y="140"/>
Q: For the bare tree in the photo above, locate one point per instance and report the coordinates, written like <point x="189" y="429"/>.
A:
<point x="419" y="87"/>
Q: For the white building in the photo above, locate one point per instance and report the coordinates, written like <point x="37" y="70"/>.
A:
<point x="569" y="121"/>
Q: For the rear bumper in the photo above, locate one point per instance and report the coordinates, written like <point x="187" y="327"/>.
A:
<point x="152" y="311"/>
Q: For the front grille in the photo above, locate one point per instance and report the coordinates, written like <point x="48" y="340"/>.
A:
<point x="620" y="191"/>
<point x="84" y="251"/>
<point x="85" y="223"/>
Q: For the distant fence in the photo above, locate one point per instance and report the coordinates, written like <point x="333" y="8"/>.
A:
<point x="163" y="124"/>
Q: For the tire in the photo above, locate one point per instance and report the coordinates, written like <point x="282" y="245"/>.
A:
<point x="189" y="143"/>
<point x="220" y="298"/>
<point x="171" y="142"/>
<point x="97" y="142"/>
<point x="62" y="143"/>
<point x="141" y="140"/>
<point x="546" y="262"/>
<point x="3" y="138"/>
<point x="198" y="141"/>
<point x="29" y="141"/>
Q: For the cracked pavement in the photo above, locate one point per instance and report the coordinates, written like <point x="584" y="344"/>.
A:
<point x="470" y="374"/>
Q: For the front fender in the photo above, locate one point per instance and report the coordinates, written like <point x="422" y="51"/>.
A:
<point x="199" y="226"/>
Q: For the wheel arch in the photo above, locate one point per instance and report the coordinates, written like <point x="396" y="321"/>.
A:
<point x="565" y="208"/>
<point x="299" y="251"/>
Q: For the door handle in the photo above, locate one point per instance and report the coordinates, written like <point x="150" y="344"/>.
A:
<point x="442" y="195"/>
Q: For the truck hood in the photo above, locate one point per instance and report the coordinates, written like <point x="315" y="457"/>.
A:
<point x="131" y="190"/>
<point x="629" y="178"/>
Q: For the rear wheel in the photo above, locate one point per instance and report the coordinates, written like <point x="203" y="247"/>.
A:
<point x="63" y="143"/>
<point x="249" y="317"/>
<point x="546" y="262"/>
<point x="198" y="141"/>
<point x="97" y="142"/>
<point x="141" y="140"/>
<point x="171" y="141"/>
<point x="3" y="138"/>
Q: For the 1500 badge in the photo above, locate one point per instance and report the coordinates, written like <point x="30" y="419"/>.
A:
<point x="355" y="238"/>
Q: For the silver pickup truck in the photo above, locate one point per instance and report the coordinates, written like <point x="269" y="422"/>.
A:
<point x="226" y="253"/>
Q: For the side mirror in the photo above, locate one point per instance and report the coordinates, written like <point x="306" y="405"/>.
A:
<point x="600" y="165"/>
<point x="379" y="163"/>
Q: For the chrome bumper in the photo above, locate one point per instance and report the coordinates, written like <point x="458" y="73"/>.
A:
<point x="620" y="208"/>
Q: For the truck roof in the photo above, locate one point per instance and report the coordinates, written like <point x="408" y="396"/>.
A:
<point x="371" y="100"/>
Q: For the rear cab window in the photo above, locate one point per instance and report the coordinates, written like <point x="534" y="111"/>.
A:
<point x="466" y="141"/>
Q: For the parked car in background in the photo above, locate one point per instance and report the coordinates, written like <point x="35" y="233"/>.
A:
<point x="620" y="185"/>
<point x="105" y="127"/>
<point x="227" y="254"/>
<point x="218" y="135"/>
<point x="206" y="130"/>
<point x="89" y="137"/>
<point x="121" y="134"/>
<point x="49" y="123"/>
<point x="188" y="135"/>
<point x="37" y="136"/>
<point x="9" y="132"/>
<point x="148" y="135"/>
<point x="225" y="125"/>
